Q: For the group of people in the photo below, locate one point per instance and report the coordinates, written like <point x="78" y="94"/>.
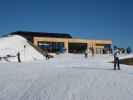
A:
<point x="116" y="55"/>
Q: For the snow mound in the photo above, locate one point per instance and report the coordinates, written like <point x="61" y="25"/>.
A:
<point x="11" y="45"/>
<point x="126" y="56"/>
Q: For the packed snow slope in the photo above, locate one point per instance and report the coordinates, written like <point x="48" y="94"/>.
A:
<point x="11" y="45"/>
<point x="66" y="77"/>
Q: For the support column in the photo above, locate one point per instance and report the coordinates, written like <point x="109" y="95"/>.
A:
<point x="94" y="46"/>
<point x="35" y="42"/>
<point x="88" y="45"/>
<point x="66" y="45"/>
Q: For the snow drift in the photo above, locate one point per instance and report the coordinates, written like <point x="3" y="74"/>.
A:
<point x="11" y="45"/>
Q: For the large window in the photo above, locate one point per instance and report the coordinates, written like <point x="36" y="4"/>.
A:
<point x="52" y="46"/>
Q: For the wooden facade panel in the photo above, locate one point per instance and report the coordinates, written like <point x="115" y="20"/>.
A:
<point x="91" y="42"/>
<point x="49" y="39"/>
<point x="77" y="41"/>
<point x="103" y="41"/>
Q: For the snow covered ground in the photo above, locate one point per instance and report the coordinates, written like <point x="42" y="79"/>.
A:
<point x="66" y="77"/>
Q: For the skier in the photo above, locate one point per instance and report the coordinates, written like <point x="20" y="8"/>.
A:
<point x="116" y="59"/>
<point x="18" y="56"/>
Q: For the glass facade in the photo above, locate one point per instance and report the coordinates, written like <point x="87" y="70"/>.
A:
<point x="52" y="46"/>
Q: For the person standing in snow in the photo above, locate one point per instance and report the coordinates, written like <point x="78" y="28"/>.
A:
<point x="116" y="59"/>
<point x="24" y="50"/>
<point x="18" y="56"/>
<point x="46" y="55"/>
<point x="92" y="51"/>
<point x="86" y="53"/>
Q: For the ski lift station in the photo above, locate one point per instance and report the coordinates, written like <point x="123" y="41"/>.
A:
<point x="60" y="42"/>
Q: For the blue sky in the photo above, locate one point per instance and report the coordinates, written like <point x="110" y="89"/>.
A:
<point x="92" y="19"/>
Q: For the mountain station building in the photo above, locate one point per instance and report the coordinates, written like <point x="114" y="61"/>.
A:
<point x="60" y="42"/>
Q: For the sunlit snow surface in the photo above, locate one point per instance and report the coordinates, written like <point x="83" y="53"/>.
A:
<point x="11" y="45"/>
<point x="66" y="77"/>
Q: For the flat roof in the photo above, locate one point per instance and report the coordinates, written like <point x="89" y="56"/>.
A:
<point x="41" y="34"/>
